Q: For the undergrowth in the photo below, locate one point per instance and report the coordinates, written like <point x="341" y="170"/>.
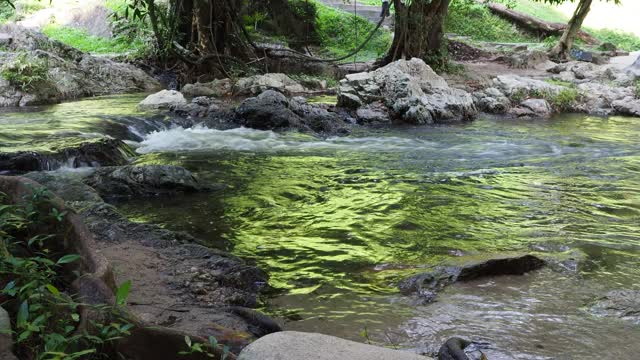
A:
<point x="25" y="72"/>
<point x="341" y="32"/>
<point x="86" y="42"/>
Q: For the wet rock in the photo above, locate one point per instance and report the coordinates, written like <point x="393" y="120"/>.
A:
<point x="143" y="181"/>
<point x="6" y="342"/>
<point x="622" y="304"/>
<point x="164" y="99"/>
<point x="630" y="105"/>
<point x="601" y="99"/>
<point x="375" y="113"/>
<point x="411" y="90"/>
<point x="453" y="349"/>
<point x="272" y="110"/>
<point x="427" y="285"/>
<point x="261" y="324"/>
<point x="67" y="185"/>
<point x="273" y="81"/>
<point x="70" y="73"/>
<point x="71" y="153"/>
<point x="199" y="107"/>
<point x="293" y="345"/>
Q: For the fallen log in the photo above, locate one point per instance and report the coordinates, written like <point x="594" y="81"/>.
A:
<point x="534" y="25"/>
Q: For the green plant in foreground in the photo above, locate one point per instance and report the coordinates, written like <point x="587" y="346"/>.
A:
<point x="565" y="99"/>
<point x="25" y="72"/>
<point x="199" y="348"/>
<point x="33" y="279"/>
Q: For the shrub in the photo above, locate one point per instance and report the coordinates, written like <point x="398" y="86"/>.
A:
<point x="565" y="99"/>
<point x="25" y="72"/>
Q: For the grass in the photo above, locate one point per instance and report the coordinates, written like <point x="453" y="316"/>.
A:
<point x="478" y="23"/>
<point x="83" y="41"/>
<point x="337" y="31"/>
<point x="542" y="11"/>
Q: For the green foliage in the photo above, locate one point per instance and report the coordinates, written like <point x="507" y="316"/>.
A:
<point x="470" y="18"/>
<point x="26" y="73"/>
<point x="83" y="41"/>
<point x="199" y="348"/>
<point x="565" y="99"/>
<point x="622" y="40"/>
<point x="46" y="319"/>
<point x="341" y="32"/>
<point x="6" y="12"/>
<point x="303" y="78"/>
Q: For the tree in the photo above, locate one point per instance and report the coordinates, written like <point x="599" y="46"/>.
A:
<point x="563" y="48"/>
<point x="419" y="31"/>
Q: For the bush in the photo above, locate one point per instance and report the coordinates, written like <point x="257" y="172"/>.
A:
<point x="26" y="73"/>
<point x="34" y="286"/>
<point x="565" y="99"/>
<point x="622" y="40"/>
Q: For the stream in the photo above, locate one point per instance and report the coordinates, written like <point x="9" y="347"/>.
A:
<point x="338" y="222"/>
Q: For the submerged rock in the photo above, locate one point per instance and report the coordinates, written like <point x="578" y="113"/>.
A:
<point x="70" y="153"/>
<point x="66" y="73"/>
<point x="623" y="304"/>
<point x="143" y="180"/>
<point x="411" y="90"/>
<point x="293" y="345"/>
<point x="428" y="284"/>
<point x="162" y="100"/>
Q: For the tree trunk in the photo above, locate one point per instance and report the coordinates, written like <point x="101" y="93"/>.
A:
<point x="184" y="16"/>
<point x="419" y="31"/>
<point x="562" y="49"/>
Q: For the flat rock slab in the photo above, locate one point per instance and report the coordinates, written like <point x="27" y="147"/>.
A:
<point x="293" y="345"/>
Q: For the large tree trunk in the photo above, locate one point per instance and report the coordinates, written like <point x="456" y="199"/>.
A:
<point x="419" y="31"/>
<point x="562" y="49"/>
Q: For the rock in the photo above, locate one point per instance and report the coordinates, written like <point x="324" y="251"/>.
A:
<point x="453" y="349"/>
<point x="627" y="106"/>
<point x="492" y="101"/>
<point x="539" y="107"/>
<point x="70" y="73"/>
<point x="514" y="85"/>
<point x="5" y="39"/>
<point x="6" y="342"/>
<point x="528" y="59"/>
<point x="273" y="81"/>
<point x="427" y="285"/>
<point x="72" y="153"/>
<point x="143" y="180"/>
<point x="375" y="113"/>
<point x="414" y="92"/>
<point x="272" y="110"/>
<point x="164" y="99"/>
<point x="68" y="185"/>
<point x="602" y="99"/>
<point x="216" y="88"/>
<point x="607" y="46"/>
<point x="582" y="55"/>
<point x="634" y="68"/>
<point x="293" y="345"/>
<point x="199" y="107"/>
<point x="623" y="304"/>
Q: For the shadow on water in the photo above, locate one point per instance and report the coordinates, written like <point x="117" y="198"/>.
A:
<point x="338" y="222"/>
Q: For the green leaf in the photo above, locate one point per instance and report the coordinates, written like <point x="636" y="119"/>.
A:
<point x="123" y="293"/>
<point x="23" y="314"/>
<point x="52" y="289"/>
<point x="213" y="342"/>
<point x="187" y="341"/>
<point x="75" y="317"/>
<point x="68" y="259"/>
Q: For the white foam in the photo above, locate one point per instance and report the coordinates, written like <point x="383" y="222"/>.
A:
<point x="244" y="139"/>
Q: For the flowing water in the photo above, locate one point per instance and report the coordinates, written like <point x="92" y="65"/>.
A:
<point x="337" y="222"/>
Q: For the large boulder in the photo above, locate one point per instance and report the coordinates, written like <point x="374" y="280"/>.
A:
<point x="492" y="100"/>
<point x="271" y="110"/>
<point x="215" y="88"/>
<point x="293" y="345"/>
<point x="513" y="86"/>
<point x="411" y="89"/>
<point x="65" y="73"/>
<point x="143" y="180"/>
<point x="622" y="304"/>
<point x="162" y="100"/>
<point x="427" y="285"/>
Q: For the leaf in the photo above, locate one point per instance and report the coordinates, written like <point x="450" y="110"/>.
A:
<point x="23" y="314"/>
<point x="52" y="289"/>
<point x="213" y="342"/>
<point x="123" y="293"/>
<point x="68" y="259"/>
<point x="187" y="341"/>
<point x="75" y="317"/>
